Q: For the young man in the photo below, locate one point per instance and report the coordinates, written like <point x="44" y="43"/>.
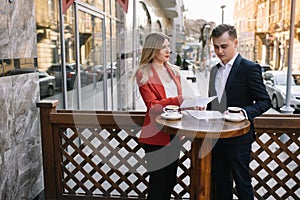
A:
<point x="237" y="82"/>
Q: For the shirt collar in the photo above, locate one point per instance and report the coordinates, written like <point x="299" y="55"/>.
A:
<point x="230" y="63"/>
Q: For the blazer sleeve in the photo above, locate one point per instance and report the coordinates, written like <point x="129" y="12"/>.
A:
<point x="258" y="92"/>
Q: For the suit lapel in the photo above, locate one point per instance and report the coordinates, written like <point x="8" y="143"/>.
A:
<point x="157" y="84"/>
<point x="213" y="72"/>
<point x="234" y="71"/>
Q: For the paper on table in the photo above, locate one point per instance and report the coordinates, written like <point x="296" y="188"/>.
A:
<point x="197" y="101"/>
<point x="205" y="114"/>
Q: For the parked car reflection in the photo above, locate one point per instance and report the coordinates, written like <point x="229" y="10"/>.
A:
<point x="97" y="71"/>
<point x="46" y="82"/>
<point x="275" y="82"/>
<point x="71" y="75"/>
<point x="112" y="70"/>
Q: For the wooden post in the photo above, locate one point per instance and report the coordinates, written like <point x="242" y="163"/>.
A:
<point x="46" y="108"/>
<point x="205" y="172"/>
<point x="201" y="169"/>
<point x="195" y="169"/>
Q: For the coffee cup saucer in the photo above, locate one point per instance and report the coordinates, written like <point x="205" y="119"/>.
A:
<point x="172" y="116"/>
<point x="235" y="119"/>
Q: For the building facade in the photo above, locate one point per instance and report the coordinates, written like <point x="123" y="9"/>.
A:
<point x="244" y="17"/>
<point x="94" y="34"/>
<point x="106" y="36"/>
<point x="264" y="30"/>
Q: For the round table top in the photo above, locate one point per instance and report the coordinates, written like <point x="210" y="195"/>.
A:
<point x="203" y="128"/>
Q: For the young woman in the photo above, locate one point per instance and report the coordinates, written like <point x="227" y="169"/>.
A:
<point x="159" y="85"/>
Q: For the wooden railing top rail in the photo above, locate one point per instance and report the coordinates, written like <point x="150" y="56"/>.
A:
<point x="277" y="122"/>
<point x="101" y="112"/>
<point x="92" y="119"/>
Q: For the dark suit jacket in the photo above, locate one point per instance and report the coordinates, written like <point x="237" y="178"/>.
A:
<point x="244" y="88"/>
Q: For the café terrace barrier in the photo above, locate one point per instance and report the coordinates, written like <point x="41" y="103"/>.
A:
<point x="95" y="155"/>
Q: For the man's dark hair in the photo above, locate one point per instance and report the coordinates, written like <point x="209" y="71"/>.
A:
<point x="222" y="28"/>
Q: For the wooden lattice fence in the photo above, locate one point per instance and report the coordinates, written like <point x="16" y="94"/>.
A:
<point x="275" y="157"/>
<point x="95" y="154"/>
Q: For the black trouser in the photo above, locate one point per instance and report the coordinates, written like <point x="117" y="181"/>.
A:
<point x="162" y="164"/>
<point x="231" y="162"/>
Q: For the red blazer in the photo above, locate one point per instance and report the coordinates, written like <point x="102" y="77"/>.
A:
<point x="154" y="96"/>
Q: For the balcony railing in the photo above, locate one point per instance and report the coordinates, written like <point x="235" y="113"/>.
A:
<point x="95" y="154"/>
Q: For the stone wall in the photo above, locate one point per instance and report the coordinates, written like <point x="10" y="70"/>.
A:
<point x="17" y="29"/>
<point x="20" y="144"/>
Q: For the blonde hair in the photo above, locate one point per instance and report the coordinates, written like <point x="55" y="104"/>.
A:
<point x="152" y="45"/>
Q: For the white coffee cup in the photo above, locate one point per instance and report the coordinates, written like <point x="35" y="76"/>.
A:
<point x="171" y="110"/>
<point x="234" y="112"/>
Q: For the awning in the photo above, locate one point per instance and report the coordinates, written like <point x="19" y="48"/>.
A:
<point x="171" y="13"/>
<point x="169" y="8"/>
<point x="66" y="4"/>
<point x="124" y="4"/>
<point x="167" y="3"/>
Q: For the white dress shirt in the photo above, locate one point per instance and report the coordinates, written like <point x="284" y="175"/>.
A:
<point x="222" y="76"/>
<point x="170" y="88"/>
